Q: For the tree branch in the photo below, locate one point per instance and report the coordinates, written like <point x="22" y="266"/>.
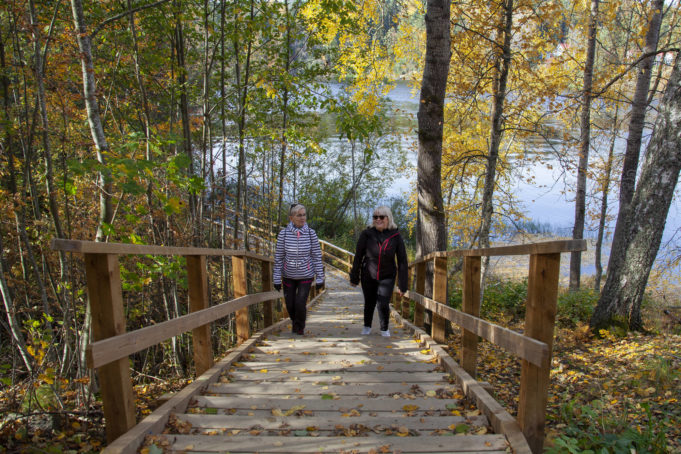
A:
<point x="632" y="66"/>
<point x="125" y="13"/>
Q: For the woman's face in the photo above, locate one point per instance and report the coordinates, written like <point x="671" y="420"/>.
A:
<point x="380" y="221"/>
<point x="298" y="218"/>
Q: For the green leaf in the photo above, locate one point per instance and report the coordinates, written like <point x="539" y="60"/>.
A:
<point x="327" y="397"/>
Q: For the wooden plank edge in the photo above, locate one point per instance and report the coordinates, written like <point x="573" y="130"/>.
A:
<point x="501" y="421"/>
<point x="157" y="420"/>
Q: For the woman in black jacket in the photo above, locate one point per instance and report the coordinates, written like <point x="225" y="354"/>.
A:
<point x="380" y="257"/>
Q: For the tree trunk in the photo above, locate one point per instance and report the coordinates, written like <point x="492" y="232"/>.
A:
<point x="636" y="124"/>
<point x="184" y="113"/>
<point x="502" y="65"/>
<point x="625" y="285"/>
<point x="605" y="189"/>
<point x="584" y="144"/>
<point x="93" y="116"/>
<point x="430" y="222"/>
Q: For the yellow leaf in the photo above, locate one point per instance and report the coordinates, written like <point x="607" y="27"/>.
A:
<point x="410" y="407"/>
<point x="263" y="371"/>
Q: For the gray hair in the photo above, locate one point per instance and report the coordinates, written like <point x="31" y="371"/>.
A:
<point x="385" y="211"/>
<point x="295" y="207"/>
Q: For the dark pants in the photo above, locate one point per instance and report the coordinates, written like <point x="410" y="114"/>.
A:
<point x="377" y="293"/>
<point x="295" y="295"/>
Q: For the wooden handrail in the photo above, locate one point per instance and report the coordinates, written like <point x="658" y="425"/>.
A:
<point x="93" y="247"/>
<point x="113" y="348"/>
<point x="546" y="247"/>
<point x="522" y="346"/>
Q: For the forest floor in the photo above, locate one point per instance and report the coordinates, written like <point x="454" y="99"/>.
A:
<point x="598" y="386"/>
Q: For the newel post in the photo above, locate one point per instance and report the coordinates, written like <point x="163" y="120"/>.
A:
<point x="108" y="320"/>
<point x="419" y="310"/>
<point x="268" y="306"/>
<point x="405" y="301"/>
<point x="437" y="329"/>
<point x="197" y="282"/>
<point x="540" y="319"/>
<point x="471" y="305"/>
<point x="243" y="329"/>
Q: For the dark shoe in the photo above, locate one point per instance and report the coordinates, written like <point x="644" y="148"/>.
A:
<point x="301" y="332"/>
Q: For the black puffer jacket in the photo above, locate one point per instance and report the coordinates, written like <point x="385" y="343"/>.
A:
<point x="380" y="255"/>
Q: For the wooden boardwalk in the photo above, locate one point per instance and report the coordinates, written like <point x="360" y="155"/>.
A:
<point x="332" y="390"/>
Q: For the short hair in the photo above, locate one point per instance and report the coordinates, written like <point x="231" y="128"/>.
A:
<point x="385" y="211"/>
<point x="295" y="207"/>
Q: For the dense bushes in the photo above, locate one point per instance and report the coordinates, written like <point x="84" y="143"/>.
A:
<point x="505" y="300"/>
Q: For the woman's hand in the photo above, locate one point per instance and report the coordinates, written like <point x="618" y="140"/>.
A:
<point x="400" y="292"/>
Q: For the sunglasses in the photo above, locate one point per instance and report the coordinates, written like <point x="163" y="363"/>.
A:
<point x="379" y="216"/>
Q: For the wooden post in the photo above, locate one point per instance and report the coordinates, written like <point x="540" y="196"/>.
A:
<point x="108" y="320"/>
<point x="471" y="305"/>
<point x="419" y="310"/>
<point x="243" y="329"/>
<point x="267" y="306"/>
<point x="437" y="329"/>
<point x="405" y="301"/>
<point x="197" y="282"/>
<point x="540" y="319"/>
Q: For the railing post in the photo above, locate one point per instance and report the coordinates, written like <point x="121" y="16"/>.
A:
<point x="540" y="319"/>
<point x="243" y="329"/>
<point x="470" y="305"/>
<point x="419" y="310"/>
<point x="197" y="282"/>
<point x="405" y="301"/>
<point x="267" y="306"/>
<point x="108" y="320"/>
<point x="437" y="327"/>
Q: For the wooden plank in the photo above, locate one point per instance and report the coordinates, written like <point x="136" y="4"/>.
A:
<point x="325" y="422"/>
<point x="156" y="421"/>
<point x="540" y="318"/>
<point x="354" y="377"/>
<point x="107" y="350"/>
<point x="239" y="276"/>
<point x="314" y="366"/>
<point x="93" y="247"/>
<point x="108" y="320"/>
<point x="250" y="390"/>
<point x="197" y="283"/>
<point x="361" y="404"/>
<point x="440" y="295"/>
<point x="470" y="306"/>
<point x="372" y="443"/>
<point x="420" y="287"/>
<point x="524" y="347"/>
<point x="266" y="281"/>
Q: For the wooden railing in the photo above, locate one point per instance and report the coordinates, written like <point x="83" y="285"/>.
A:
<point x="534" y="347"/>
<point x="336" y="257"/>
<point x="111" y="345"/>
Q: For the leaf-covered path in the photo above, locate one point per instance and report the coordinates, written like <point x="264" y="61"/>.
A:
<point x="331" y="390"/>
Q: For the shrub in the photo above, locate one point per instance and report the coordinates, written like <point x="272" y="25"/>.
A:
<point x="593" y="429"/>
<point x="575" y="307"/>
<point x="504" y="298"/>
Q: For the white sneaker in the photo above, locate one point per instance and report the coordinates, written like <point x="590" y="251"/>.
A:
<point x="385" y="333"/>
<point x="366" y="330"/>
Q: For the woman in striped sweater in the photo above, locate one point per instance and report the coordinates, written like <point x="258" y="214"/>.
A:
<point x="297" y="262"/>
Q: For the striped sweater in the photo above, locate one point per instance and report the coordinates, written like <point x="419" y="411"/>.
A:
<point x="298" y="255"/>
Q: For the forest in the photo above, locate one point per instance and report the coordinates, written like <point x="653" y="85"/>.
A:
<point x="197" y="123"/>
